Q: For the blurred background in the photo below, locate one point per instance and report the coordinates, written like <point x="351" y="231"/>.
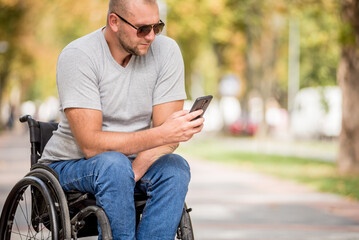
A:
<point x="284" y="76"/>
<point x="271" y="66"/>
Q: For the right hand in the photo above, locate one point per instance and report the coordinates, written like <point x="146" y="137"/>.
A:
<point x="179" y="126"/>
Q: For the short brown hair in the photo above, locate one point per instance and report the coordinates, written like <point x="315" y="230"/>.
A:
<point x="120" y="6"/>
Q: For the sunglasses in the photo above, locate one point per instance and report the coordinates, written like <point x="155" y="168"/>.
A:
<point x="145" y="29"/>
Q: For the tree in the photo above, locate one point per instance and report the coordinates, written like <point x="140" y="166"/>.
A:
<point x="32" y="34"/>
<point x="348" y="78"/>
<point x="11" y="26"/>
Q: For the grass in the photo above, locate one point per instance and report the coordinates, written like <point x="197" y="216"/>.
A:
<point x="322" y="176"/>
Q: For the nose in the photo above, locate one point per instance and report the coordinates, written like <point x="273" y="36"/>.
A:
<point x="151" y="36"/>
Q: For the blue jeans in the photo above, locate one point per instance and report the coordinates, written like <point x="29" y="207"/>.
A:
<point x="109" y="176"/>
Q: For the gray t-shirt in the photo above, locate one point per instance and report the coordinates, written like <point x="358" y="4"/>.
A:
<point x="89" y="77"/>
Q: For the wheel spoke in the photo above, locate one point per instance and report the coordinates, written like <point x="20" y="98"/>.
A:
<point x="25" y="209"/>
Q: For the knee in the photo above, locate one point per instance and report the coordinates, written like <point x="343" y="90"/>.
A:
<point x="113" y="164"/>
<point x="176" y="169"/>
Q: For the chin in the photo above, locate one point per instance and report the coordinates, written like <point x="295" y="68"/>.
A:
<point x="141" y="52"/>
<point x="142" y="49"/>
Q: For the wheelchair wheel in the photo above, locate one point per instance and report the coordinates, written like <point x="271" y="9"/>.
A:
<point x="58" y="196"/>
<point x="23" y="217"/>
<point x="185" y="230"/>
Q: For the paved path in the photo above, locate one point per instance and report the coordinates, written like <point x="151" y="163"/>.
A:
<point x="229" y="203"/>
<point x="14" y="160"/>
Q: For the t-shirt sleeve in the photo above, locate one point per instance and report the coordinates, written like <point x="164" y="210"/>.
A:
<point x="76" y="81"/>
<point x="170" y="85"/>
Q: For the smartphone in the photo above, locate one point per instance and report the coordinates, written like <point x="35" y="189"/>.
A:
<point x="201" y="103"/>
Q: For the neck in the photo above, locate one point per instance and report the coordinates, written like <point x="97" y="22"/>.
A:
<point x="119" y="54"/>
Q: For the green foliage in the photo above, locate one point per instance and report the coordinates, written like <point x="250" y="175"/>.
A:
<point x="346" y="34"/>
<point x="13" y="54"/>
<point x="248" y="38"/>
<point x="319" y="46"/>
<point x="11" y="15"/>
<point x="37" y="31"/>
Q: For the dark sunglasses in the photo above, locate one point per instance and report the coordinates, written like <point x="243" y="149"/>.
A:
<point x="145" y="29"/>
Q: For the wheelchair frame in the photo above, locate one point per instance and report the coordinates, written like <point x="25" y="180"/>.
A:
<point x="60" y="215"/>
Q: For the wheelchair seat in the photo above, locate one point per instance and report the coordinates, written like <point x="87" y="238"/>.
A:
<point x="55" y="214"/>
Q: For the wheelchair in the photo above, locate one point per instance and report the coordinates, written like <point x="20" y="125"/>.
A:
<point x="38" y="208"/>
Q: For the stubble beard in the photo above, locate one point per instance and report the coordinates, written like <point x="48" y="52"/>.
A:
<point x="134" y="50"/>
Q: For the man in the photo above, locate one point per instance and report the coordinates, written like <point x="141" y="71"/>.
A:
<point x="113" y="84"/>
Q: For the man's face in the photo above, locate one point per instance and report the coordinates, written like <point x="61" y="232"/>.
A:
<point x="138" y="14"/>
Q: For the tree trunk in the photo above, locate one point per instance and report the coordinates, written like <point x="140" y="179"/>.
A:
<point x="348" y="78"/>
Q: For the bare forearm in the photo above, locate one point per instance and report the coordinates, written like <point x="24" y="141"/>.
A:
<point x="126" y="143"/>
<point x="145" y="159"/>
<point x="92" y="140"/>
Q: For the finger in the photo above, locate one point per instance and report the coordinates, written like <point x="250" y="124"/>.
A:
<point x="196" y="123"/>
<point x="194" y="114"/>
<point x="179" y="113"/>
<point x="192" y="132"/>
<point x="196" y="130"/>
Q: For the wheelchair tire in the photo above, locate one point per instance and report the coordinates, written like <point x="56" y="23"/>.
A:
<point x="185" y="230"/>
<point x="59" y="199"/>
<point x="19" y="220"/>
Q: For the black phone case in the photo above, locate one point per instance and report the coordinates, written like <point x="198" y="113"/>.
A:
<point x="201" y="103"/>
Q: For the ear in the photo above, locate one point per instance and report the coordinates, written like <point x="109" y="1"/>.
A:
<point x="113" y="22"/>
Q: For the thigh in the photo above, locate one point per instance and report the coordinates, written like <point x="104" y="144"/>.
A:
<point x="110" y="178"/>
<point x="85" y="174"/>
